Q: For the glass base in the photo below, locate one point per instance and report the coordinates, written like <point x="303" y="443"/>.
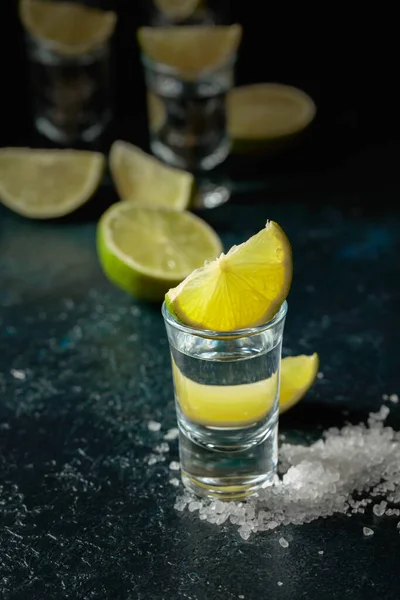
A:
<point x="180" y="161"/>
<point x="228" y="464"/>
<point x="45" y="127"/>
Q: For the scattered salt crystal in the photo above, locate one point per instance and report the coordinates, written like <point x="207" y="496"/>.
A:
<point x="320" y="551"/>
<point x="367" y="531"/>
<point x="174" y="465"/>
<point x="320" y="375"/>
<point x="174" y="481"/>
<point x="379" y="509"/>
<point x="17" y="374"/>
<point x="322" y="479"/>
<point x="284" y="543"/>
<point x="241" y="596"/>
<point x="280" y="583"/>
<point x="153" y="426"/>
<point x="162" y="448"/>
<point x="394" y="398"/>
<point x="385" y="397"/>
<point x="171" y="434"/>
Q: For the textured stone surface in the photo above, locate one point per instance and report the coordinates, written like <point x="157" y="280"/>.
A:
<point x="84" y="368"/>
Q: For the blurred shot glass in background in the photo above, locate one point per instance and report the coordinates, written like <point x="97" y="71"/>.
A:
<point x="187" y="12"/>
<point x="68" y="50"/>
<point x="189" y="71"/>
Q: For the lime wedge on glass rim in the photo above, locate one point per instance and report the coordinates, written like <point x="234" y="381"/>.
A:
<point x="241" y="289"/>
<point x="145" y="251"/>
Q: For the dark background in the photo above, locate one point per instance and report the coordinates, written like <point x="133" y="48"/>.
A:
<point x="345" y="57"/>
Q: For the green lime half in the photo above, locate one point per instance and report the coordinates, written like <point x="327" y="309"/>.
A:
<point x="146" y="251"/>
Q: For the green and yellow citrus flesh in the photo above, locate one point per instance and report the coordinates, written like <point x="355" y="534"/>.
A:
<point x="241" y="289"/>
<point x="241" y="405"/>
<point x="145" y="250"/>
<point x="70" y="27"/>
<point x="177" y="10"/>
<point x="267" y="115"/>
<point x="45" y="184"/>
<point x="141" y="178"/>
<point x="190" y="49"/>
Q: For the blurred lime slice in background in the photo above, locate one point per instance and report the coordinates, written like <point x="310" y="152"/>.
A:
<point x="44" y="184"/>
<point x="190" y="49"/>
<point x="177" y="10"/>
<point x="70" y="27"/>
<point x="143" y="179"/>
<point x="267" y="115"/>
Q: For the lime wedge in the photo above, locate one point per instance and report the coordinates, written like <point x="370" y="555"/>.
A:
<point x="44" y="184"/>
<point x="143" y="179"/>
<point x="70" y="27"/>
<point x="177" y="10"/>
<point x="298" y="373"/>
<point x="267" y="113"/>
<point x="146" y="250"/>
<point x="190" y="49"/>
<point x="241" y="289"/>
<point x="244" y="404"/>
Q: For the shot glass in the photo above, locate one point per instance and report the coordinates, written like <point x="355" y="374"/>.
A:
<point x="187" y="116"/>
<point x="71" y="93"/>
<point x="227" y="395"/>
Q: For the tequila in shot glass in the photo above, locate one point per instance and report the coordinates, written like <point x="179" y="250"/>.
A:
<point x="69" y="50"/>
<point x="227" y="394"/>
<point x="188" y="72"/>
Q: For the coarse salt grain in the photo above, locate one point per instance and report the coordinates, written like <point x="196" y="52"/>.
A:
<point x="171" y="434"/>
<point x="284" y="543"/>
<point x="367" y="531"/>
<point x="320" y="480"/>
<point x="394" y="398"/>
<point x="153" y="426"/>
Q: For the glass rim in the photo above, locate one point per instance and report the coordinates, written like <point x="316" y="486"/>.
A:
<point x="208" y="333"/>
<point x="167" y="69"/>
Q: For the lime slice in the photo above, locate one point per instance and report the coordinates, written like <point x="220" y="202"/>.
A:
<point x="245" y="404"/>
<point x="190" y="49"/>
<point x="71" y="28"/>
<point x="177" y="10"/>
<point x="241" y="289"/>
<point x="146" y="250"/>
<point x="143" y="179"/>
<point x="266" y="113"/>
<point x="298" y="373"/>
<point x="44" y="184"/>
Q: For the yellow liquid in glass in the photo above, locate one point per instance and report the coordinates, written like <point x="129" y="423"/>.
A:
<point x="225" y="405"/>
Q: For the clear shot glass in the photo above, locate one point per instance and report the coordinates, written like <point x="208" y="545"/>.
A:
<point x="70" y="92"/>
<point x="227" y="402"/>
<point x="187" y="116"/>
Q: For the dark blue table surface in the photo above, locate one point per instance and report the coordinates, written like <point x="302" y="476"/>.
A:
<point x="84" y="368"/>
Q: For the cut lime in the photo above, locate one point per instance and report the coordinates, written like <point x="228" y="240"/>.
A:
<point x="177" y="10"/>
<point x="298" y="373"/>
<point x="146" y="250"/>
<point x="244" y="404"/>
<point x="241" y="289"/>
<point x="44" y="184"/>
<point x="143" y="179"/>
<point x="267" y="114"/>
<point x="71" y="28"/>
<point x="190" y="49"/>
